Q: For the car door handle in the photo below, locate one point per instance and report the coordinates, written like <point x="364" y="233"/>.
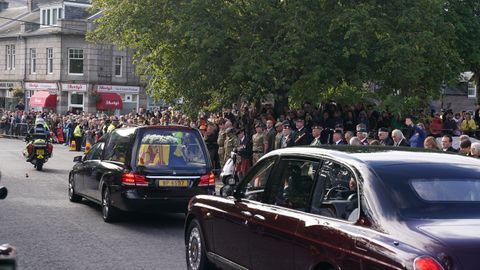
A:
<point x="259" y="217"/>
<point x="361" y="245"/>
<point x="246" y="213"/>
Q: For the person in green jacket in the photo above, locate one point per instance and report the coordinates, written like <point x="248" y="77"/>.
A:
<point x="77" y="135"/>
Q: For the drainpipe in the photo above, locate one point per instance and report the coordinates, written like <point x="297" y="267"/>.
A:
<point x="27" y="105"/>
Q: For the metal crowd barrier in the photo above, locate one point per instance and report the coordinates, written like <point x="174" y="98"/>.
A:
<point x="18" y="130"/>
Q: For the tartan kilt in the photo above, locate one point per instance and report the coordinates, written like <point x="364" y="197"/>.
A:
<point x="243" y="164"/>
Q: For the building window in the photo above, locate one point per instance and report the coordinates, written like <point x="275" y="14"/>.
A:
<point x="49" y="60"/>
<point x="50" y="16"/>
<point x="118" y="66"/>
<point x="33" y="61"/>
<point x="75" y="61"/>
<point x="10" y="57"/>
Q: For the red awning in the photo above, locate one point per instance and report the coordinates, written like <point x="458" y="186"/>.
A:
<point x="43" y="99"/>
<point x="109" y="101"/>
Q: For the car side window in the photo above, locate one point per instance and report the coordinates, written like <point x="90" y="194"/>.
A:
<point x="91" y="154"/>
<point x="336" y="192"/>
<point x="118" y="146"/>
<point x="97" y="154"/>
<point x="294" y="185"/>
<point x="257" y="180"/>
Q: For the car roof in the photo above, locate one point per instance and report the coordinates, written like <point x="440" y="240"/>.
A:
<point x="377" y="156"/>
<point x="175" y="127"/>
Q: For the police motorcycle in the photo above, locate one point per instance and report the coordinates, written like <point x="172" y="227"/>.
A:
<point x="7" y="252"/>
<point x="39" y="146"/>
<point x="229" y="176"/>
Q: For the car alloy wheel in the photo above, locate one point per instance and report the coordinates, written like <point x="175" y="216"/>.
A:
<point x="71" y="190"/>
<point x="195" y="249"/>
<point x="108" y="211"/>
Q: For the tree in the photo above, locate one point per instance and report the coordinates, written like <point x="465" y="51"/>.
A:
<point x="212" y="52"/>
<point x="464" y="15"/>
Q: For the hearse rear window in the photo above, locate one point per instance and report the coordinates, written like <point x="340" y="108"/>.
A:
<point x="447" y="190"/>
<point x="164" y="148"/>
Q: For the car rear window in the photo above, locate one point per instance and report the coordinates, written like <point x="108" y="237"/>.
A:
<point x="171" y="149"/>
<point x="447" y="190"/>
<point x="431" y="190"/>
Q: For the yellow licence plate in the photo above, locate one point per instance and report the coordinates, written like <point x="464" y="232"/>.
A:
<point x="173" y="183"/>
<point x="40" y="152"/>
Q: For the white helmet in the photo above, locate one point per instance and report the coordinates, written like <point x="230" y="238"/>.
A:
<point x="39" y="121"/>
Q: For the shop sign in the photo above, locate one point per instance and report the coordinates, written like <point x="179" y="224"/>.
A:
<point x="51" y="87"/>
<point x="7" y="85"/>
<point x="72" y="87"/>
<point x="115" y="103"/>
<point x="118" y="89"/>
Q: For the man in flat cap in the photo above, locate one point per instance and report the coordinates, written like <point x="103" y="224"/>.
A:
<point x="383" y="136"/>
<point x="362" y="134"/>
<point x="338" y="137"/>
<point x="302" y="135"/>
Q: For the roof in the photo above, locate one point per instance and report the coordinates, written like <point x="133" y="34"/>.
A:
<point x="376" y="156"/>
<point x="12" y="12"/>
<point x="18" y="15"/>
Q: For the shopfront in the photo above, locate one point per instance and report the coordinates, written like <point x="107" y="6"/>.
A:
<point x="123" y="99"/>
<point x="76" y="96"/>
<point x="7" y="101"/>
<point x="41" y="96"/>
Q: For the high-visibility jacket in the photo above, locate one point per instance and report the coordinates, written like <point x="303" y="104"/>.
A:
<point x="111" y="128"/>
<point x="77" y="132"/>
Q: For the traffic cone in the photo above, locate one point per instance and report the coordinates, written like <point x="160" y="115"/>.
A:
<point x="87" y="147"/>
<point x="73" y="146"/>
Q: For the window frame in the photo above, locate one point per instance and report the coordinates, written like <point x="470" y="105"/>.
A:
<point x="241" y="188"/>
<point x="33" y="61"/>
<point x="49" y="60"/>
<point x="278" y="176"/>
<point x="10" y="57"/>
<point x="120" y="65"/>
<point x="73" y="51"/>
<point x="97" y="148"/>
<point x="114" y="141"/>
<point x="358" y="180"/>
<point x="50" y="16"/>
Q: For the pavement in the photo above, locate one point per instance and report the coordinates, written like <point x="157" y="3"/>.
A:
<point x="50" y="232"/>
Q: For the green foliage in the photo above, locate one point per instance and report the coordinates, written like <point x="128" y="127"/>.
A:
<point x="18" y="93"/>
<point x="212" y="52"/>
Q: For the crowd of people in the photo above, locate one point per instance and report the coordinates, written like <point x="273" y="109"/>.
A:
<point x="254" y="131"/>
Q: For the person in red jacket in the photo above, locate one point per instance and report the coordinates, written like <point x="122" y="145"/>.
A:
<point x="436" y="125"/>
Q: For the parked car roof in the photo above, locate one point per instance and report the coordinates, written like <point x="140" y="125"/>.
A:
<point x="380" y="155"/>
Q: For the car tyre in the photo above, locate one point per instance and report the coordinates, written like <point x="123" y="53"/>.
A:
<point x="196" y="255"/>
<point x="72" y="196"/>
<point x="109" y="213"/>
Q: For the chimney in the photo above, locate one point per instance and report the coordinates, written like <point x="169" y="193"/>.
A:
<point x="3" y="5"/>
<point x="32" y="5"/>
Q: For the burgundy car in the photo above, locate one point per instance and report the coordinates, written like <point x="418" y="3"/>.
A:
<point x="342" y="208"/>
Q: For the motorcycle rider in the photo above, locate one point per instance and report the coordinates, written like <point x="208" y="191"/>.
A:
<point x="38" y="132"/>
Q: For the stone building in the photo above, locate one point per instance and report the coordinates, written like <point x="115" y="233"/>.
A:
<point x="43" y="51"/>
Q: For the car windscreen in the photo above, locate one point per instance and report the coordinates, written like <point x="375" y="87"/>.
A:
<point x="433" y="190"/>
<point x="171" y="149"/>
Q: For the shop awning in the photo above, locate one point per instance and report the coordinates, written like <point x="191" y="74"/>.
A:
<point x="43" y="99"/>
<point x="109" y="101"/>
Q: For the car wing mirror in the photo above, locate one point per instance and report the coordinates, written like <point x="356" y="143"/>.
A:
<point x="3" y="193"/>
<point x="78" y="159"/>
